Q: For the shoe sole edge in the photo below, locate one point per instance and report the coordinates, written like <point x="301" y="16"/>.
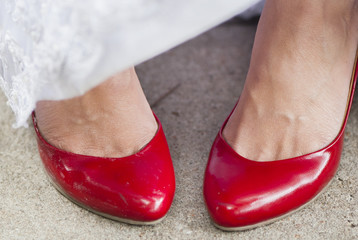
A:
<point x="105" y="215"/>
<point x="270" y="221"/>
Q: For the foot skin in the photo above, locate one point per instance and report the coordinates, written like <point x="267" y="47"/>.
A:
<point x="295" y="96"/>
<point x="112" y="120"/>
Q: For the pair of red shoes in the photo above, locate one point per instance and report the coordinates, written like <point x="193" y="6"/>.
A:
<point x="239" y="193"/>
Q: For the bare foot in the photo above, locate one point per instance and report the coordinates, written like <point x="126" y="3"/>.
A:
<point x="112" y="120"/>
<point x="295" y="96"/>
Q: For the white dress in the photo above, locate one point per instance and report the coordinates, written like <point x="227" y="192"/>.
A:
<point x="56" y="49"/>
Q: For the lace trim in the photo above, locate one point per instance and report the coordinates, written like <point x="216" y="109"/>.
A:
<point x="46" y="46"/>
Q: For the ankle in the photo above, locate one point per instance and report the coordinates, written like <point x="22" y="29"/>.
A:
<point x="312" y="8"/>
<point x="340" y="16"/>
<point x="113" y="119"/>
<point x="299" y="40"/>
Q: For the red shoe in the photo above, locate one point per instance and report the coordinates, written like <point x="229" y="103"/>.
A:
<point x="137" y="189"/>
<point x="241" y="194"/>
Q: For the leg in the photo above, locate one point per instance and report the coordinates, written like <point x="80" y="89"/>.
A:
<point x="296" y="89"/>
<point x="294" y="102"/>
<point x="112" y="120"/>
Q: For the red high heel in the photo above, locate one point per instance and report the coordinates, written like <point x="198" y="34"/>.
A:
<point x="137" y="189"/>
<point x="241" y="194"/>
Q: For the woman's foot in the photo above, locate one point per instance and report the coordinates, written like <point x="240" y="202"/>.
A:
<point x="113" y="119"/>
<point x="295" y="96"/>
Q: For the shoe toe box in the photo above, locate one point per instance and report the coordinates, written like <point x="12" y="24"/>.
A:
<point x="240" y="193"/>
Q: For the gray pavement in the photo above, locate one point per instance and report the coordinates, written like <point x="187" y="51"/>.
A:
<point x="192" y="89"/>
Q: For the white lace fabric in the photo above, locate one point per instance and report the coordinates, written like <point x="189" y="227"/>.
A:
<point x="52" y="50"/>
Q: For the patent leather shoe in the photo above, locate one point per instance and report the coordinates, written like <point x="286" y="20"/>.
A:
<point x="136" y="189"/>
<point x="241" y="194"/>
